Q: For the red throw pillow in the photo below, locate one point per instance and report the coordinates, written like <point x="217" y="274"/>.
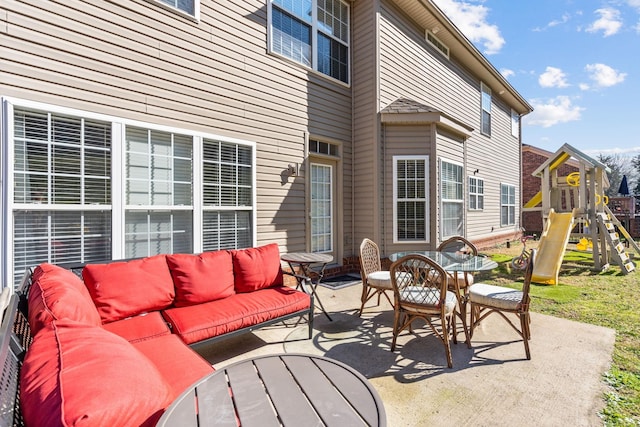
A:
<point x="57" y="293"/>
<point x="201" y="278"/>
<point x="123" y="289"/>
<point x="257" y="268"/>
<point x="75" y="374"/>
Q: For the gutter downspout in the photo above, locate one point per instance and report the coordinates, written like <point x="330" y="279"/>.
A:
<point x="521" y="168"/>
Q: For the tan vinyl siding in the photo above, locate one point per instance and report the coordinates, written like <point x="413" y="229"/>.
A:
<point x="366" y="149"/>
<point x="422" y="74"/>
<point x="139" y="61"/>
<point x="498" y="159"/>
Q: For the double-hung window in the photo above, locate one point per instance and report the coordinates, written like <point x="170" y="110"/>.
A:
<point x="85" y="188"/>
<point x="227" y="195"/>
<point x="451" y="181"/>
<point x="410" y="198"/>
<point x="314" y="33"/>
<point x="476" y="193"/>
<point x="158" y="192"/>
<point x="507" y="204"/>
<point x="485" y="111"/>
<point x="515" y="124"/>
<point x="61" y="189"/>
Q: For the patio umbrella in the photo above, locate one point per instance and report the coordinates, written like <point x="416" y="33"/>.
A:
<point x="624" y="187"/>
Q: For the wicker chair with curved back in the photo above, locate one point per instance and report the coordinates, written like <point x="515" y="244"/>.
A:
<point x="420" y="292"/>
<point x="375" y="281"/>
<point x="460" y="245"/>
<point x="486" y="299"/>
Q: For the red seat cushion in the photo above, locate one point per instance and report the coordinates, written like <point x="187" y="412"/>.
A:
<point x="257" y="268"/>
<point x="199" y="322"/>
<point x="178" y="364"/>
<point x="128" y="288"/>
<point x="75" y="374"/>
<point x="139" y="328"/>
<point x="201" y="278"/>
<point x="57" y="293"/>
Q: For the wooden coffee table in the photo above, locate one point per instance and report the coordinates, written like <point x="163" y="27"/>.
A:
<point x="279" y="390"/>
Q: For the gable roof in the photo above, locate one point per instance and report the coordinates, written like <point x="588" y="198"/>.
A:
<point x="565" y="153"/>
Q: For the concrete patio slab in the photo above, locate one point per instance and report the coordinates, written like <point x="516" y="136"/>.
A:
<point x="491" y="384"/>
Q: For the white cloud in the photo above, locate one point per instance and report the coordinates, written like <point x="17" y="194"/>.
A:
<point x="603" y="75"/>
<point x="553" y="77"/>
<point x="634" y="3"/>
<point x="547" y="113"/>
<point x="612" y="151"/>
<point x="609" y="22"/>
<point x="506" y="73"/>
<point x="471" y="19"/>
<point x="584" y="86"/>
<point x="563" y="20"/>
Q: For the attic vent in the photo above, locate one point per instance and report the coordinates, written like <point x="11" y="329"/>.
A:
<point x="435" y="42"/>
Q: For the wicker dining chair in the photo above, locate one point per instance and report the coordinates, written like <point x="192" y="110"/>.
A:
<point x="375" y="281"/>
<point x="486" y="299"/>
<point x="460" y="245"/>
<point x="420" y="292"/>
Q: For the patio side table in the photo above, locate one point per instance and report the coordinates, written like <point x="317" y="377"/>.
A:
<point x="297" y="390"/>
<point x="305" y="260"/>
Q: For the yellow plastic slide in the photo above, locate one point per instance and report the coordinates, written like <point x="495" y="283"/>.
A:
<point x="553" y="243"/>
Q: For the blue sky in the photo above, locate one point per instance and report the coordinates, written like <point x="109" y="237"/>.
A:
<point x="577" y="62"/>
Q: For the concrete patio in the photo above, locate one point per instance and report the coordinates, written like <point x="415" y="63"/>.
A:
<point x="491" y="384"/>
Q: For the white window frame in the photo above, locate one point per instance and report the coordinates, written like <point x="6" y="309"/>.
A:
<point x="166" y="4"/>
<point x="330" y="218"/>
<point x="515" y="124"/>
<point x="485" y="109"/>
<point x="118" y="205"/>
<point x="476" y="198"/>
<point x="444" y="200"/>
<point x="316" y="27"/>
<point x="396" y="198"/>
<point x="510" y="206"/>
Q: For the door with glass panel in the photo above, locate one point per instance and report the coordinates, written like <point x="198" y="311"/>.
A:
<point x="322" y="214"/>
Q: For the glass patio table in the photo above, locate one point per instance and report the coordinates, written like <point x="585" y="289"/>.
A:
<point x="452" y="261"/>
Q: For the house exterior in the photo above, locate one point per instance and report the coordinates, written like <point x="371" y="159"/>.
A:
<point x="136" y="127"/>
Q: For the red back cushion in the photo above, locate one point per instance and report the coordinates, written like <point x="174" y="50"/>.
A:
<point x="201" y="278"/>
<point x="75" y="374"/>
<point x="257" y="268"/>
<point x="57" y="293"/>
<point x="123" y="289"/>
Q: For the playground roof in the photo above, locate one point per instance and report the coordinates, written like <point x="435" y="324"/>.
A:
<point x="566" y="152"/>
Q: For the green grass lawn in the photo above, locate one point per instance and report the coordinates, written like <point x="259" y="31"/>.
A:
<point x="606" y="298"/>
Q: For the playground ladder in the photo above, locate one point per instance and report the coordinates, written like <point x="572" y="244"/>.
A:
<point x="618" y="251"/>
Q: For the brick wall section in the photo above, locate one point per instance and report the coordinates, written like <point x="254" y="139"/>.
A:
<point x="531" y="160"/>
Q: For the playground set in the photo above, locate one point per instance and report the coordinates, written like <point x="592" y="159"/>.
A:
<point x="576" y="201"/>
